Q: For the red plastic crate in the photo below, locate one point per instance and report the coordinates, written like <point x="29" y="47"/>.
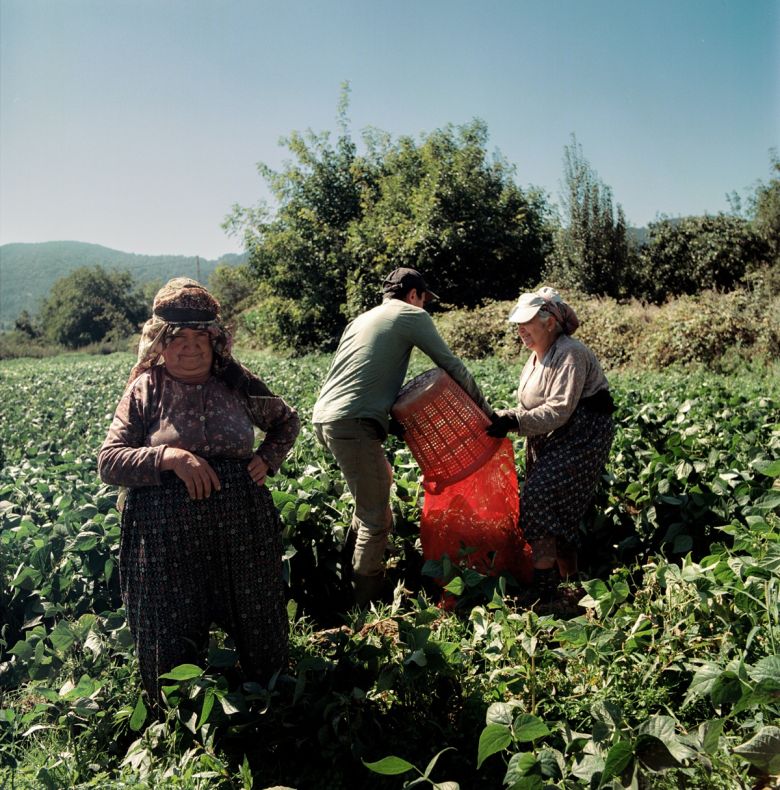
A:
<point x="444" y="428"/>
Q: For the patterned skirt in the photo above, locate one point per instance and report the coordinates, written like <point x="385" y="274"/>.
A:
<point x="186" y="564"/>
<point x="562" y="472"/>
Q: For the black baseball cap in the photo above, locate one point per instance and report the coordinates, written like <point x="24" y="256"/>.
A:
<point x="402" y="280"/>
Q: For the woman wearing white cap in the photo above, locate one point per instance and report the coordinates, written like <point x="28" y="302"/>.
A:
<point x="564" y="409"/>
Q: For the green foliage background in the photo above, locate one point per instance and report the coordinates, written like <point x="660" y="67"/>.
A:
<point x="345" y="219"/>
<point x="346" y="214"/>
<point x="720" y="331"/>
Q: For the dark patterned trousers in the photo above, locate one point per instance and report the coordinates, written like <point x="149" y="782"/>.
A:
<point x="186" y="564"/>
<point x="562" y="472"/>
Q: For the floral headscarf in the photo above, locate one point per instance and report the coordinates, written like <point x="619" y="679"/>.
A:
<point x="559" y="310"/>
<point x="182" y="303"/>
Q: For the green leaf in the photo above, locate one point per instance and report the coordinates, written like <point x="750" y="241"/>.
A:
<point x="768" y="468"/>
<point x="769" y="501"/>
<point x="710" y="733"/>
<point x="682" y="544"/>
<point x="86" y="541"/>
<point x="529" y="728"/>
<point x="26" y="579"/>
<point x="762" y="750"/>
<point x="24" y="650"/>
<point x="529" y="782"/>
<point x="433" y="568"/>
<point x="767" y="669"/>
<point x="86" y="687"/>
<point x="552" y="763"/>
<point x="417" y="657"/>
<point x="662" y="729"/>
<point x="520" y="765"/>
<point x="494" y="738"/>
<point x="618" y="759"/>
<point x="389" y="766"/>
<point x="247" y="780"/>
<point x="500" y="713"/>
<point x="472" y="578"/>
<point x="432" y="764"/>
<point x="683" y="470"/>
<point x="456" y="586"/>
<point x="228" y="706"/>
<point x="726" y="689"/>
<point x="703" y="680"/>
<point x="183" y="672"/>
<point x="208" y="704"/>
<point x="62" y="637"/>
<point x="282" y="498"/>
<point x="587" y="767"/>
<point x="139" y="715"/>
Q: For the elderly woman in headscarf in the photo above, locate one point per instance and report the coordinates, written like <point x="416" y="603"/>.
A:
<point x="564" y="409"/>
<point x="201" y="538"/>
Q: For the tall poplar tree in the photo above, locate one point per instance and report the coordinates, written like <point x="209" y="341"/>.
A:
<point x="591" y="249"/>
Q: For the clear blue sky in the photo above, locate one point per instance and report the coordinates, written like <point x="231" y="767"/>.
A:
<point x="136" y="124"/>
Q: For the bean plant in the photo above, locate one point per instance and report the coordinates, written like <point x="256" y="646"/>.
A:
<point x="665" y="674"/>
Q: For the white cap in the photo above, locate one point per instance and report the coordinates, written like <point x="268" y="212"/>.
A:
<point x="526" y="308"/>
<point x="529" y="303"/>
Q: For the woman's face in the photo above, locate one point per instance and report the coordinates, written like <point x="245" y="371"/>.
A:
<point x="189" y="355"/>
<point x="537" y="334"/>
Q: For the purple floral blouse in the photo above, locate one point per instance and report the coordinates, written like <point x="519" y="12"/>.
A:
<point x="209" y="420"/>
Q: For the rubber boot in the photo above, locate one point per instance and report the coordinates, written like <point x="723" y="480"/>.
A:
<point x="545" y="584"/>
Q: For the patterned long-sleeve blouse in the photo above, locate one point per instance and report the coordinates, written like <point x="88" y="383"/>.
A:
<point x="210" y="420"/>
<point x="550" y="388"/>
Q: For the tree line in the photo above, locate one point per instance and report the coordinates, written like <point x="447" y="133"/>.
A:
<point x="445" y="205"/>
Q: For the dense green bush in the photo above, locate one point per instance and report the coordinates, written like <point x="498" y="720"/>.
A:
<point x="689" y="255"/>
<point x="444" y="205"/>
<point x="233" y="287"/>
<point x="480" y="332"/>
<point x="715" y="330"/>
<point x="615" y="331"/>
<point x="91" y="305"/>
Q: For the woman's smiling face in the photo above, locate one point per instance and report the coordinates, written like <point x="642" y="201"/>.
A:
<point x="189" y="355"/>
<point x="537" y="334"/>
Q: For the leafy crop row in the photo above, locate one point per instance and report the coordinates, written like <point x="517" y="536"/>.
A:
<point x="670" y="676"/>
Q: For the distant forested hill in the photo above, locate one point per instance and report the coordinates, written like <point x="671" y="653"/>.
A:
<point x="27" y="271"/>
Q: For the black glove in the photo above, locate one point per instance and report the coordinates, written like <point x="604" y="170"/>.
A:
<point x="396" y="428"/>
<point x="500" y="425"/>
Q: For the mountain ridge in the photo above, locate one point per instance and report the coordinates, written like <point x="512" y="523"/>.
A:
<point x="29" y="269"/>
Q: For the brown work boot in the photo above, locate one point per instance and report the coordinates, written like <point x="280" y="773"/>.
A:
<point x="545" y="584"/>
<point x="367" y="588"/>
<point x="542" y="589"/>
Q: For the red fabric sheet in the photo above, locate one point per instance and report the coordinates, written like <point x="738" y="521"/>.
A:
<point x="481" y="512"/>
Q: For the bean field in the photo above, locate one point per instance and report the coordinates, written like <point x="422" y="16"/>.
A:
<point x="667" y="676"/>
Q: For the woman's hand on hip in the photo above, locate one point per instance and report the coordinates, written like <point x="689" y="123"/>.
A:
<point x="194" y="471"/>
<point x="258" y="469"/>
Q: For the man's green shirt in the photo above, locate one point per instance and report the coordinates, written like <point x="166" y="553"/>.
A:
<point x="372" y="358"/>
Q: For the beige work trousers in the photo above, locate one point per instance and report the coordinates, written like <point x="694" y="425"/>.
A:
<point x="356" y="444"/>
